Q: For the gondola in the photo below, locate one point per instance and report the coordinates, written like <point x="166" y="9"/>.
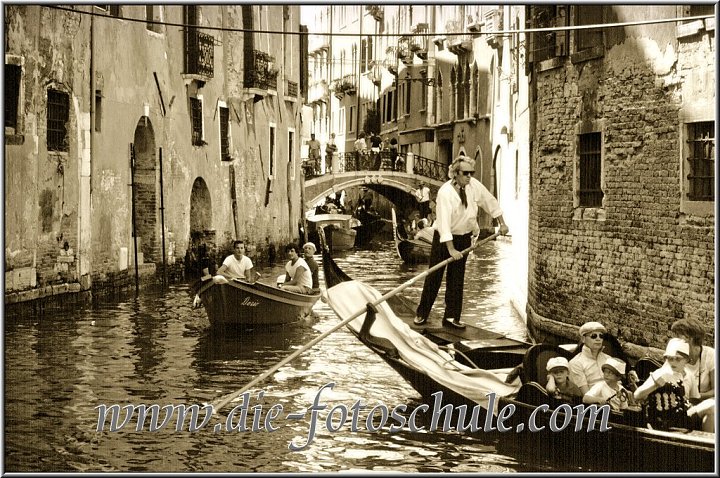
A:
<point x="411" y="251"/>
<point x="238" y="303"/>
<point x="338" y="228"/>
<point x="370" y="225"/>
<point x="467" y="365"/>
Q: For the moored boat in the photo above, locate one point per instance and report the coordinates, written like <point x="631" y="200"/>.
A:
<point x="467" y="365"/>
<point x="338" y="228"/>
<point x="239" y="303"/>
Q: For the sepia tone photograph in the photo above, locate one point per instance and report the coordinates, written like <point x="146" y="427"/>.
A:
<point x="359" y="238"/>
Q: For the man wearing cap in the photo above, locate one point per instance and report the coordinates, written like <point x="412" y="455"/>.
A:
<point x="585" y="368"/>
<point x="610" y="389"/>
<point x="559" y="384"/>
<point x="308" y="251"/>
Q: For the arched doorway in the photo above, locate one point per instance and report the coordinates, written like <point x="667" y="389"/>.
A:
<point x="146" y="186"/>
<point x="201" y="246"/>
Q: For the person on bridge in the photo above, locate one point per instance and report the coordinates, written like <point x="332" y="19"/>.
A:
<point x="458" y="201"/>
<point x="330" y="150"/>
<point x="314" y="153"/>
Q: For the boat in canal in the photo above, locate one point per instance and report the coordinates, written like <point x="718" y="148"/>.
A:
<point x="411" y="251"/>
<point x="338" y="229"/>
<point x="468" y="364"/>
<point x="239" y="303"/>
<point x="370" y="225"/>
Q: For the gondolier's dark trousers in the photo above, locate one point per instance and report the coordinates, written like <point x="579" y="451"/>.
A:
<point x="455" y="278"/>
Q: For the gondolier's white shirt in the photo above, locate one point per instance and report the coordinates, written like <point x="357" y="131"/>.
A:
<point x="453" y="218"/>
<point x="585" y="370"/>
<point x="238" y="267"/>
<point x="291" y="269"/>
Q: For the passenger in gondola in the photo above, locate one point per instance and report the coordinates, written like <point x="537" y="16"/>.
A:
<point x="585" y="368"/>
<point x="559" y="384"/>
<point x="701" y="365"/>
<point x="308" y="252"/>
<point x="237" y="265"/>
<point x="297" y="273"/>
<point x="610" y="390"/>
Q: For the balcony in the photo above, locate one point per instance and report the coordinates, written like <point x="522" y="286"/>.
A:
<point x="260" y="71"/>
<point x="199" y="53"/>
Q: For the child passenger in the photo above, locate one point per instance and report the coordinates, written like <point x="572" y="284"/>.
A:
<point x="610" y="390"/>
<point x="559" y="384"/>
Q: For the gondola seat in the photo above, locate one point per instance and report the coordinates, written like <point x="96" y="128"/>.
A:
<point x="535" y="362"/>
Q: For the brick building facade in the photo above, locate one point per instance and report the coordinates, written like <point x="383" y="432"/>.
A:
<point x="622" y="224"/>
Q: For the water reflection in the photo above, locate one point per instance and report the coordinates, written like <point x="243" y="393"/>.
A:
<point x="157" y="349"/>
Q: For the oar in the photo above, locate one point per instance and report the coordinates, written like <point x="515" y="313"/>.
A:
<point x="230" y="397"/>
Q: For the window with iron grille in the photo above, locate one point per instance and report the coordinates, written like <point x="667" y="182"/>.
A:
<point x="12" y="94"/>
<point x="225" y="134"/>
<point x="196" y="113"/>
<point x="590" y="169"/>
<point x="588" y="15"/>
<point x="57" y="118"/>
<point x="700" y="157"/>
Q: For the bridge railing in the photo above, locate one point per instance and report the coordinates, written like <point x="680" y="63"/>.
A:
<point x="377" y="161"/>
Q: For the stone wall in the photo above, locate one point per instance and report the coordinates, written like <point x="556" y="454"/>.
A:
<point x="639" y="262"/>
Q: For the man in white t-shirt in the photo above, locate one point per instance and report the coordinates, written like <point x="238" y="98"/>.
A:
<point x="237" y="265"/>
<point x="297" y="277"/>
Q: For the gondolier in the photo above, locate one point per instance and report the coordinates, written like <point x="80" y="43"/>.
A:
<point x="458" y="201"/>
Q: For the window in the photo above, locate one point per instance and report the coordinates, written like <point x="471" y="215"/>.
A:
<point x="271" y="157"/>
<point x="588" y="15"/>
<point x="590" y="169"/>
<point x="58" y="108"/>
<point x="13" y="74"/>
<point x="98" y="110"/>
<point x="196" y="116"/>
<point x="291" y="152"/>
<point x="115" y="10"/>
<point x="407" y="95"/>
<point x="546" y="44"/>
<point x="699" y="155"/>
<point x="224" y="133"/>
<point x="351" y="123"/>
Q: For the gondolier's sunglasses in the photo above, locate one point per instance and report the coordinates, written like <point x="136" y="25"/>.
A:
<point x="596" y="335"/>
<point x="467" y="173"/>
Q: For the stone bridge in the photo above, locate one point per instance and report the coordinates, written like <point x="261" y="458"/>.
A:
<point x="395" y="182"/>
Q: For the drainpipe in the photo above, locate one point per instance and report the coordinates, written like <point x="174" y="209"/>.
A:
<point x="357" y="87"/>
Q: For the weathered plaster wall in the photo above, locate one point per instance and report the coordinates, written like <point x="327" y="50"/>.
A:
<point x="42" y="187"/>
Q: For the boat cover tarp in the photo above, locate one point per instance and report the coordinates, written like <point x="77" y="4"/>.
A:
<point x="418" y="352"/>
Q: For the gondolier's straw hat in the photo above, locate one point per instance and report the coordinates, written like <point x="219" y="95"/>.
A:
<point x="310" y="245"/>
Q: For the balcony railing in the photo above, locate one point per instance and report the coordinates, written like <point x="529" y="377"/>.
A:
<point x="199" y="53"/>
<point x="259" y="70"/>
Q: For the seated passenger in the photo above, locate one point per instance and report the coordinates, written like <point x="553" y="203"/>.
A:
<point x="700" y="366"/>
<point x="610" y="390"/>
<point x="559" y="384"/>
<point x="425" y="233"/>
<point x="672" y="371"/>
<point x="585" y="367"/>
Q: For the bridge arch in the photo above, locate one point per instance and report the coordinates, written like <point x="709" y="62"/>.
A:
<point x="320" y="187"/>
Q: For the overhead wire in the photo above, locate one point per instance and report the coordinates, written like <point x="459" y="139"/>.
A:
<point x="381" y="35"/>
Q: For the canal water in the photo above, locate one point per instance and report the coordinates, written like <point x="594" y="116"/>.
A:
<point x="157" y="349"/>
